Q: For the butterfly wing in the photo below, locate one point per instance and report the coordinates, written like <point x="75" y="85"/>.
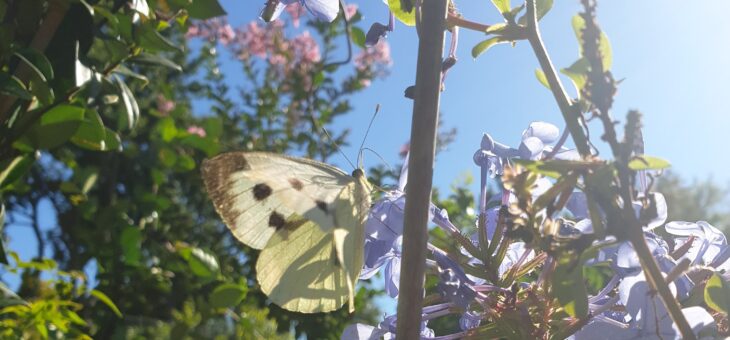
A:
<point x="307" y="216"/>
<point x="255" y="193"/>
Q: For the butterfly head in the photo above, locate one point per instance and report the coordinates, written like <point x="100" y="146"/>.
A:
<point x="358" y="173"/>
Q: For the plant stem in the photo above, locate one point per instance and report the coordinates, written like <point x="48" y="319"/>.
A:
<point x="570" y="112"/>
<point x="456" y="20"/>
<point x="423" y="146"/>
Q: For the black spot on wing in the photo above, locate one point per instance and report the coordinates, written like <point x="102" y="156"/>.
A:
<point x="322" y="206"/>
<point x="296" y="184"/>
<point x="276" y="220"/>
<point x="261" y="191"/>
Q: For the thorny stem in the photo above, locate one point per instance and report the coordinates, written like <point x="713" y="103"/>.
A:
<point x="572" y="116"/>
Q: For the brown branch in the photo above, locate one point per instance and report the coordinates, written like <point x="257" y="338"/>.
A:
<point x="423" y="147"/>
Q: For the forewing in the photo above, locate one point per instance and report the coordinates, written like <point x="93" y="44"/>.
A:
<point x="255" y="192"/>
<point x="298" y="269"/>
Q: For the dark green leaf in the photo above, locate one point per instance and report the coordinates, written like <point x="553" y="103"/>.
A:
<point x="568" y="287"/>
<point x="645" y="162"/>
<point x="202" y="263"/>
<point x="227" y="295"/>
<point x="125" y="71"/>
<point x="167" y="157"/>
<point x="37" y="62"/>
<point x="130" y="103"/>
<point x="358" y="36"/>
<point x="112" y="142"/>
<point x="91" y="133"/>
<point x="13" y="87"/>
<point x="16" y="168"/>
<point x="131" y="241"/>
<point x="213" y="127"/>
<point x="205" y="9"/>
<point x="156" y="60"/>
<point x="485" y="45"/>
<point x="150" y="39"/>
<point x="717" y="294"/>
<point x="107" y="301"/>
<point x="55" y="127"/>
<point x="205" y="144"/>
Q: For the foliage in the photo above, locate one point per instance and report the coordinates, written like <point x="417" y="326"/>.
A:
<point x="101" y="124"/>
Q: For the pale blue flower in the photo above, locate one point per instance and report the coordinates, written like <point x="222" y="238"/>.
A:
<point x="325" y="10"/>
<point x="707" y="245"/>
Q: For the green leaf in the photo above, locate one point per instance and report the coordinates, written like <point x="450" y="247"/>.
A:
<point x="578" y="73"/>
<point x="9" y="298"/>
<point x="604" y="45"/>
<point x="540" y="75"/>
<point x="150" y="39"/>
<point x="37" y="62"/>
<point x="202" y="263"/>
<point x="556" y="167"/>
<point x="358" y="36"/>
<point x="205" y="9"/>
<point x="503" y="6"/>
<point x="408" y="18"/>
<point x="125" y="71"/>
<point x="12" y="86"/>
<point x="485" y="45"/>
<point x="91" y="133"/>
<point x="542" y="6"/>
<point x="167" y="157"/>
<point x="227" y="295"/>
<point x="16" y="168"/>
<point x="130" y="103"/>
<point x="156" y="60"/>
<point x="213" y="127"/>
<point x="717" y="294"/>
<point x="55" y="127"/>
<point x="107" y="301"/>
<point x="645" y="162"/>
<point x="112" y="142"/>
<point x="166" y="128"/>
<point x="569" y="288"/>
<point x="205" y="144"/>
<point x="131" y="241"/>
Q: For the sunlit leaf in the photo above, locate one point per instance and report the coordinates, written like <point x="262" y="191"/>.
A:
<point x="13" y="87"/>
<point x="578" y="73"/>
<point x="37" y="62"/>
<point x="408" y="18"/>
<point x="645" y="162"/>
<point x="55" y="127"/>
<point x="503" y="6"/>
<point x="568" y="287"/>
<point x="202" y="263"/>
<point x="156" y="60"/>
<point x="107" y="301"/>
<point x="15" y="169"/>
<point x="358" y="36"/>
<point x="485" y="45"/>
<point x="130" y="103"/>
<point x="540" y="75"/>
<point x="717" y="294"/>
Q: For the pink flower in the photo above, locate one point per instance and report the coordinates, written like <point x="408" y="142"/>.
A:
<point x="374" y="60"/>
<point x="306" y="50"/>
<point x="226" y="34"/>
<point x="196" y="130"/>
<point x="350" y="10"/>
<point x="164" y="105"/>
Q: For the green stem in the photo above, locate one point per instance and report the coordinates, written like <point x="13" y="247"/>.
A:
<point x="570" y="112"/>
<point x="423" y="146"/>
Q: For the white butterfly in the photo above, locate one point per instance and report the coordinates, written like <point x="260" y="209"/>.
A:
<point x="306" y="216"/>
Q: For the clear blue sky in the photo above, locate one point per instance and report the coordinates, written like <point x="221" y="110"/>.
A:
<point x="673" y="57"/>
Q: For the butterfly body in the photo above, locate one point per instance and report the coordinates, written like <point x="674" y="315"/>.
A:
<point x="306" y="216"/>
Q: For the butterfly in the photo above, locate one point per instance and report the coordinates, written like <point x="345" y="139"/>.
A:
<point x="307" y="218"/>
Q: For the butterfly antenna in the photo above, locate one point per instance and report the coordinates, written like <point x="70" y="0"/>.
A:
<point x="390" y="168"/>
<point x="337" y="146"/>
<point x="359" y="153"/>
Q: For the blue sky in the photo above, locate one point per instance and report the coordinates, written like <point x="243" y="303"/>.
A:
<point x="671" y="55"/>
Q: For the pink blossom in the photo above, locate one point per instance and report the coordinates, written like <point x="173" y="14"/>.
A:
<point x="196" y="130"/>
<point x="350" y="10"/>
<point x="374" y="60"/>
<point x="305" y="48"/>
<point x="226" y="34"/>
<point x="164" y="105"/>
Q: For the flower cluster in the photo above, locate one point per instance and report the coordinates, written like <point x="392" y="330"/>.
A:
<point x="498" y="280"/>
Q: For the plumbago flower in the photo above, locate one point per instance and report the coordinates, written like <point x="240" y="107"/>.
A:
<point x="498" y="281"/>
<point x="325" y="10"/>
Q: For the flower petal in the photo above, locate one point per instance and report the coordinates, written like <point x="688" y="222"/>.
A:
<point x="326" y="10"/>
